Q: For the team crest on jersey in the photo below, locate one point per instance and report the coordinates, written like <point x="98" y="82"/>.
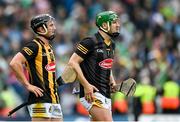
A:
<point x="106" y="64"/>
<point x="51" y="67"/>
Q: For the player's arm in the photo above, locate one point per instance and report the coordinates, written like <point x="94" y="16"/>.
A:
<point x="74" y="62"/>
<point x="83" y="49"/>
<point x="17" y="64"/>
<point x="112" y="82"/>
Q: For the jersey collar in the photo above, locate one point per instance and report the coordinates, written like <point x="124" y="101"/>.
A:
<point x="101" y="39"/>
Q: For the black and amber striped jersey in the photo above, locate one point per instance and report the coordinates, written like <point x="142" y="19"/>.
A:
<point x="41" y="66"/>
<point x="97" y="63"/>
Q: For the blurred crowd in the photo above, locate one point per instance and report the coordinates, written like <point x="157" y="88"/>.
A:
<point x="147" y="50"/>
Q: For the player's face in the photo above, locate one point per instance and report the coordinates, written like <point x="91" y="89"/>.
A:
<point x="115" y="26"/>
<point x="51" y="29"/>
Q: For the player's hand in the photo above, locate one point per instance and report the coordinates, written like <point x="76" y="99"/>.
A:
<point x="127" y="87"/>
<point x="113" y="87"/>
<point x="89" y="92"/>
<point x="36" y="90"/>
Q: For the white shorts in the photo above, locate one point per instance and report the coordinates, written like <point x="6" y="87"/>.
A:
<point x="99" y="101"/>
<point x="46" y="110"/>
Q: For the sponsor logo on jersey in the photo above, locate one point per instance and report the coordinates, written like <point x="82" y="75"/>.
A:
<point x="106" y="64"/>
<point x="51" y="67"/>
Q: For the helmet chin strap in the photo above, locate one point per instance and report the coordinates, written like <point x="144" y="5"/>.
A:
<point x="106" y="31"/>
<point x="44" y="33"/>
<point x="112" y="35"/>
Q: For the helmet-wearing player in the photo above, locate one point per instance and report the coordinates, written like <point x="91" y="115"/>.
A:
<point x="92" y="61"/>
<point x="107" y="22"/>
<point x="38" y="57"/>
<point x="43" y="20"/>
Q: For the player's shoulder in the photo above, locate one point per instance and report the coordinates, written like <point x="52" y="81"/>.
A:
<point x="88" y="41"/>
<point x="29" y="50"/>
<point x="31" y="44"/>
<point x="89" y="38"/>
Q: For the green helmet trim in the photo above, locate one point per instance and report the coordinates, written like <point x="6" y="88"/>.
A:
<point x="105" y="17"/>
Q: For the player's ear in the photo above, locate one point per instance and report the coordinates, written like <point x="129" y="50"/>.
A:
<point x="40" y="29"/>
<point x="104" y="25"/>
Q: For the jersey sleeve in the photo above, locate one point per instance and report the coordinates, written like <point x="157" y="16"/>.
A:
<point x="84" y="47"/>
<point x="30" y="50"/>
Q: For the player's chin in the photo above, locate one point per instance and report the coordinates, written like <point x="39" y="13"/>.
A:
<point x="53" y="34"/>
<point x="117" y="30"/>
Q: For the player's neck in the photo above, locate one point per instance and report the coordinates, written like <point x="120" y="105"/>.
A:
<point x="104" y="35"/>
<point x="107" y="39"/>
<point x="44" y="39"/>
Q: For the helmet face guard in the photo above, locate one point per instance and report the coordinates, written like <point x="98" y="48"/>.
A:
<point x="106" y="17"/>
<point x="40" y="20"/>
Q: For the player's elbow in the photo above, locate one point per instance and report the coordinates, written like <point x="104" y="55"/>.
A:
<point x="75" y="60"/>
<point x="71" y="63"/>
<point x="12" y="64"/>
<point x="17" y="61"/>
